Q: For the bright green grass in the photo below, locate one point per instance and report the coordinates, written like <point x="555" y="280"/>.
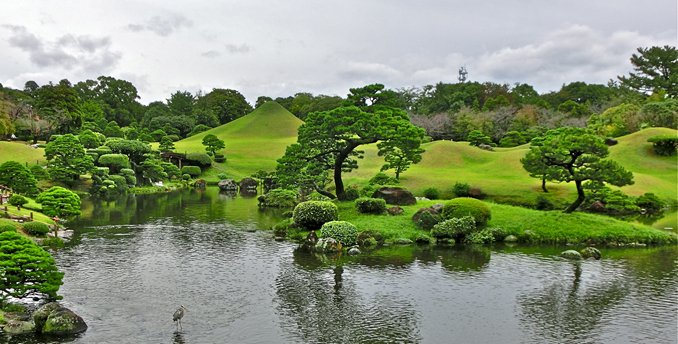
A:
<point x="253" y="142"/>
<point x="548" y="227"/>
<point x="27" y="212"/>
<point x="21" y="152"/>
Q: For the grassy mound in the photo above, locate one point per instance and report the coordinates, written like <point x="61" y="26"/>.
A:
<point x="21" y="152"/>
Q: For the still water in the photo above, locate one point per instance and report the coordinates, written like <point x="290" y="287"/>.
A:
<point x="134" y="260"/>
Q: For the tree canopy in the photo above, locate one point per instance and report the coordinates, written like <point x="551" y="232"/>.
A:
<point x="575" y="155"/>
<point x="212" y="143"/>
<point x="656" y="70"/>
<point x="67" y="158"/>
<point x="18" y="177"/>
<point x="60" y="202"/>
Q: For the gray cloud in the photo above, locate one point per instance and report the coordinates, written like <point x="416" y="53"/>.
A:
<point x="235" y="49"/>
<point x="163" y="25"/>
<point x="211" y="54"/>
<point x="90" y="54"/>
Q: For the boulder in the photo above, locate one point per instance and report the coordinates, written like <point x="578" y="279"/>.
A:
<point x="610" y="141"/>
<point x="590" y="252"/>
<point x="438" y="207"/>
<point x="475" y="192"/>
<point x="571" y="254"/>
<point x="422" y="199"/>
<point x="354" y="251"/>
<point x="417" y="215"/>
<point x="18" y="327"/>
<point x="227" y="185"/>
<point x="403" y="242"/>
<point x="327" y="245"/>
<point x="510" y="238"/>
<point x="597" y="207"/>
<point x="395" y="210"/>
<point x="200" y="183"/>
<point x="486" y="147"/>
<point x="248" y="184"/>
<point x="270" y="184"/>
<point x="395" y="196"/>
<point x="59" y="320"/>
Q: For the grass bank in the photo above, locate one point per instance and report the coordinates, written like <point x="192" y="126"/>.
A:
<point x="545" y="227"/>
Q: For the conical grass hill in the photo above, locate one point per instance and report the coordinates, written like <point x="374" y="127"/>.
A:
<point x="253" y="142"/>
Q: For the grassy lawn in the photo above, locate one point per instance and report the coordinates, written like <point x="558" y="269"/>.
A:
<point x="20" y="151"/>
<point x="27" y="212"/>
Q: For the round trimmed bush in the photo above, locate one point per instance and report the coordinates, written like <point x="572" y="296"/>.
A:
<point x="38" y="229"/>
<point x="465" y="206"/>
<point x="432" y="193"/>
<point x="185" y="176"/>
<point x="313" y="214"/>
<point x="460" y="189"/>
<point x="7" y="227"/>
<point x="193" y="171"/>
<point x="199" y="158"/>
<point x="126" y="172"/>
<point x="342" y="231"/>
<point x="101" y="171"/>
<point x="370" y="205"/>
<point x="222" y="176"/>
<point x="17" y="200"/>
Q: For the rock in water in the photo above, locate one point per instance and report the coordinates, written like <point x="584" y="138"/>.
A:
<point x="52" y="318"/>
<point x="510" y="238"/>
<point x="571" y="254"/>
<point x="228" y="185"/>
<point x="248" y="184"/>
<point x="395" y="196"/>
<point x="591" y="252"/>
<point x="354" y="251"/>
<point x="327" y="245"/>
<point x="18" y="327"/>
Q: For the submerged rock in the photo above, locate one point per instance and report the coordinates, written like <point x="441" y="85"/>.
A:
<point x="228" y="185"/>
<point x="327" y="245"/>
<point x="52" y="318"/>
<point x="590" y="252"/>
<point x="18" y="327"/>
<point x="571" y="254"/>
<point x="403" y="241"/>
<point x="354" y="251"/>
<point x="510" y="238"/>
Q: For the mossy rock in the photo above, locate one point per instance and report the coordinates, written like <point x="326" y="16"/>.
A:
<point x="14" y="327"/>
<point x="64" y="321"/>
<point x="40" y="316"/>
<point x="571" y="254"/>
<point x="590" y="252"/>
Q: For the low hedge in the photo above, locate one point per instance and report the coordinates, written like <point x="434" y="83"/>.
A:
<point x="465" y="206"/>
<point x="342" y="231"/>
<point x="313" y="214"/>
<point x="199" y="158"/>
<point x="370" y="205"/>
<point x="37" y="229"/>
<point x="664" y="145"/>
<point x="193" y="171"/>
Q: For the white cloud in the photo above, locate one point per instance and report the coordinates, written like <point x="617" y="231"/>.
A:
<point x="163" y="25"/>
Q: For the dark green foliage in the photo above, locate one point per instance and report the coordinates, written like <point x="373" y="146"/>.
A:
<point x="226" y="104"/>
<point x="313" y="214"/>
<point x="427" y="220"/>
<point x="656" y="70"/>
<point x="39" y="172"/>
<point x="113" y="130"/>
<point x="280" y="198"/>
<point x="126" y="172"/>
<point x="132" y="134"/>
<point x="454" y="228"/>
<point x="464" y="206"/>
<point x="351" y="195"/>
<point x="370" y="205"/>
<point x="650" y="202"/>
<point x="26" y="268"/>
<point x="7" y="227"/>
<point x="100" y="171"/>
<point x="460" y="189"/>
<point x="432" y="193"/>
<point x="185" y="176"/>
<point x="171" y="170"/>
<point x="17" y="177"/>
<point x="512" y="139"/>
<point x="131" y="180"/>
<point x="199" y="158"/>
<point x="134" y="149"/>
<point x="383" y="179"/>
<point x="477" y="138"/>
<point x="146" y="138"/>
<point x="115" y="162"/>
<point x="193" y="171"/>
<point x="157" y="135"/>
<point x="574" y="109"/>
<point x="343" y="232"/>
<point x="212" y="143"/>
<point x="88" y="139"/>
<point x="219" y="157"/>
<point x="166" y="144"/>
<point x="664" y="145"/>
<point x="151" y="169"/>
<point x="662" y="113"/>
<point x="543" y="203"/>
<point x="35" y="228"/>
<point x="17" y="200"/>
<point x="120" y="183"/>
<point x="60" y="202"/>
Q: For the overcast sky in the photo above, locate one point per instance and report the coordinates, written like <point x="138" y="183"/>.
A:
<point x="325" y="47"/>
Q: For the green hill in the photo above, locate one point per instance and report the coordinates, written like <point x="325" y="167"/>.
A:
<point x="253" y="142"/>
<point x="21" y="152"/>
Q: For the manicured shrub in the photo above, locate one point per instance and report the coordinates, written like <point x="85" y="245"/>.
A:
<point x="17" y="200"/>
<point x="649" y="201"/>
<point x="37" y="229"/>
<point x="58" y="201"/>
<point x="6" y="227"/>
<point x="115" y="162"/>
<point x="39" y="173"/>
<point x="199" y="158"/>
<point x="222" y="176"/>
<point x="193" y="171"/>
<point x="14" y="175"/>
<point x="351" y="194"/>
<point x="463" y="206"/>
<point x="100" y="171"/>
<point x="145" y="138"/>
<point x="543" y="204"/>
<point x="460" y="189"/>
<point x="432" y="193"/>
<point x="157" y="135"/>
<point x="313" y="214"/>
<point x="315" y="196"/>
<point x="279" y="198"/>
<point x="370" y="205"/>
<point x="170" y="169"/>
<point x="476" y="138"/>
<point x="131" y="180"/>
<point x="344" y="232"/>
<point x="198" y="129"/>
<point x="120" y="183"/>
<point x="664" y="145"/>
<point x="185" y="176"/>
<point x="218" y="157"/>
<point x="126" y="172"/>
<point x="428" y="220"/>
<point x="383" y="179"/>
<point x="481" y="237"/>
<point x="455" y="228"/>
<point x="173" y="137"/>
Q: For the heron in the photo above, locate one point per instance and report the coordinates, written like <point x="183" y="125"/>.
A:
<point x="178" y="314"/>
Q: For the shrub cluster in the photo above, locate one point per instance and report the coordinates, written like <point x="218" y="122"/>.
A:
<point x="455" y="228"/>
<point x="37" y="229"/>
<point x="461" y="189"/>
<point x="17" y="200"/>
<point x="313" y="214"/>
<point x="193" y="171"/>
<point x="222" y="176"/>
<point x="664" y="144"/>
<point x="370" y="205"/>
<point x="464" y="206"/>
<point x="315" y="196"/>
<point x="427" y="220"/>
<point x="344" y="232"/>
<point x="543" y="204"/>
<point x="185" y="176"/>
<point x="199" y="158"/>
<point x="648" y="201"/>
<point x="279" y="198"/>
<point x="7" y="227"/>
<point x="485" y="236"/>
<point x="432" y="193"/>
<point x="383" y="179"/>
<point x="349" y="195"/>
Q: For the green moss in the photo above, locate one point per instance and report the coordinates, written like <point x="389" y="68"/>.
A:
<point x="464" y="206"/>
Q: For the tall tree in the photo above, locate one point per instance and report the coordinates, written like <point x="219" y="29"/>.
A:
<point x="60" y="202"/>
<point x="18" y="177"/>
<point x="59" y="104"/>
<point x="226" y="104"/>
<point x="212" y="143"/>
<point x="328" y="142"/>
<point x="400" y="154"/>
<point x="181" y="103"/>
<point x="118" y="98"/>
<point x="576" y="155"/>
<point x="67" y="158"/>
<point x="656" y="70"/>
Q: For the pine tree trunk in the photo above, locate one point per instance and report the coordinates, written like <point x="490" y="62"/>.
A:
<point x="580" y="198"/>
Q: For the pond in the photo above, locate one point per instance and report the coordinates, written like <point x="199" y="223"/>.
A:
<point x="134" y="260"/>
